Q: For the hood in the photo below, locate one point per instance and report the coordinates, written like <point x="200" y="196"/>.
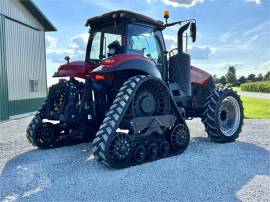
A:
<point x="78" y="69"/>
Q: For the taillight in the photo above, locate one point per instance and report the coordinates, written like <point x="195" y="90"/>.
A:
<point x="99" y="77"/>
<point x="108" y="61"/>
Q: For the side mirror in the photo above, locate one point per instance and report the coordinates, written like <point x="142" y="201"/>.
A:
<point x="67" y="58"/>
<point x="193" y="31"/>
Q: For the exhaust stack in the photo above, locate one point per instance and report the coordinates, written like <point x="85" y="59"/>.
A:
<point x="180" y="68"/>
<point x="180" y="37"/>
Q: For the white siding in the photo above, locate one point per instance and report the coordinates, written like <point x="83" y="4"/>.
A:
<point x="25" y="59"/>
<point x="15" y="10"/>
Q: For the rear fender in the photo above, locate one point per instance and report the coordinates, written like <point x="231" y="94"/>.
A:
<point x="128" y="63"/>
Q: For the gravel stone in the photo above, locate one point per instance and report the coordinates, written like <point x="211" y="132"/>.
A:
<point x="206" y="171"/>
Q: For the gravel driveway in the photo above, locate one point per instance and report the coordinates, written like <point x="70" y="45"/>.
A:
<point x="255" y="95"/>
<point x="207" y="171"/>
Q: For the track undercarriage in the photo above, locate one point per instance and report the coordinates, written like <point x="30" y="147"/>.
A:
<point x="141" y="125"/>
<point x="66" y="116"/>
<point x="154" y="127"/>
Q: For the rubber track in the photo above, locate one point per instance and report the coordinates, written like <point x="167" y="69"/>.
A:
<point x="101" y="143"/>
<point x="208" y="117"/>
<point x="43" y="112"/>
<point x="35" y="123"/>
<point x="114" y="117"/>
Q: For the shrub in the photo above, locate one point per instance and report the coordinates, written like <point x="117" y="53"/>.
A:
<point x="228" y="85"/>
<point x="219" y="85"/>
<point x="263" y="86"/>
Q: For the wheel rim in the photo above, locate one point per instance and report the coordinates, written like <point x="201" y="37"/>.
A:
<point x="229" y="116"/>
<point x="140" y="154"/>
<point x="150" y="99"/>
<point x="152" y="151"/>
<point x="45" y="134"/>
<point x="121" y="148"/>
<point x="164" y="148"/>
<point x="179" y="137"/>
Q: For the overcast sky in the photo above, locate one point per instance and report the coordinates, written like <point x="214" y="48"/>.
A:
<point x="230" y="32"/>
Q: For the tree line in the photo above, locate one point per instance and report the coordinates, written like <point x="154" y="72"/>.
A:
<point x="231" y="78"/>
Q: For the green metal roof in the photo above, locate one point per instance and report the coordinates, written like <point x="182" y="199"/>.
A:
<point x="36" y="12"/>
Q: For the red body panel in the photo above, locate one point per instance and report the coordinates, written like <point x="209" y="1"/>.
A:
<point x="78" y="69"/>
<point x="113" y="61"/>
<point x="82" y="69"/>
<point x="199" y="76"/>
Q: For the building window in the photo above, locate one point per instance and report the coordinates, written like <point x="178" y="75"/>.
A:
<point x="33" y="86"/>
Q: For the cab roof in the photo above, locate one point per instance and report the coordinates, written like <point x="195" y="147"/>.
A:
<point x="122" y="16"/>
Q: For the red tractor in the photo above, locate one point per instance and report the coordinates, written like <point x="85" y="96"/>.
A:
<point x="135" y="95"/>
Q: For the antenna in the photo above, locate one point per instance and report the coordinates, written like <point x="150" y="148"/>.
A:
<point x="186" y="42"/>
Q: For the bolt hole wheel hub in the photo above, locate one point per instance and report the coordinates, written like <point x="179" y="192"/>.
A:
<point x="179" y="137"/>
<point x="139" y="154"/>
<point x="148" y="104"/>
<point x="45" y="136"/>
<point x="120" y="148"/>
<point x="152" y="151"/>
<point x="150" y="99"/>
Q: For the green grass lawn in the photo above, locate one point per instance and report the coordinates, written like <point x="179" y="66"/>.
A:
<point x="256" y="108"/>
<point x="237" y="89"/>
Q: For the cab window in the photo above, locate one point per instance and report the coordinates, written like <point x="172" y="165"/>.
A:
<point x="95" y="48"/>
<point x="142" y="40"/>
<point x="102" y="38"/>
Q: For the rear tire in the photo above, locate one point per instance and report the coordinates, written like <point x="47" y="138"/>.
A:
<point x="223" y="115"/>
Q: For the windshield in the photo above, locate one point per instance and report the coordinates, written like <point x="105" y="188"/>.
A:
<point x="142" y="40"/>
<point x="102" y="40"/>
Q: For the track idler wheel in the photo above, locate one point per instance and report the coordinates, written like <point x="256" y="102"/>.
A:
<point x="121" y="148"/>
<point x="152" y="151"/>
<point x="45" y="136"/>
<point x="164" y="148"/>
<point x="179" y="138"/>
<point x="139" y="154"/>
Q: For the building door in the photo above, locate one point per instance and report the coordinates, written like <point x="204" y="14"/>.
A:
<point x="26" y="67"/>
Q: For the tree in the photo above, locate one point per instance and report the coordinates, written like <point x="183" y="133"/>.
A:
<point x="242" y="79"/>
<point x="222" y="80"/>
<point x="231" y="76"/>
<point x="267" y="76"/>
<point x="215" y="79"/>
<point x="259" y="77"/>
<point x="251" y="78"/>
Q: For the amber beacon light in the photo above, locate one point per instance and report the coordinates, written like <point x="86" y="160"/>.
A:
<point x="166" y="15"/>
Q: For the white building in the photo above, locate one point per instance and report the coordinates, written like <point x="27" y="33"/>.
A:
<point x="23" y="80"/>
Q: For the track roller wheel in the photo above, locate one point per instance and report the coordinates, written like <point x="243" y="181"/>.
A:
<point x="152" y="151"/>
<point x="179" y="137"/>
<point x="120" y="149"/>
<point x="164" y="148"/>
<point x="45" y="137"/>
<point x="139" y="154"/>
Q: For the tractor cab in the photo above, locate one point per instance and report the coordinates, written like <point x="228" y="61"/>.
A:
<point x="125" y="33"/>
